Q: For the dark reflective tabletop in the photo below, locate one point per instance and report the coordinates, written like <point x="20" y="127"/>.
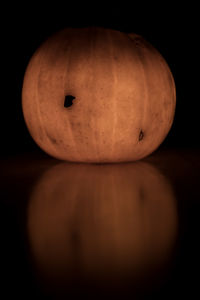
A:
<point x="101" y="231"/>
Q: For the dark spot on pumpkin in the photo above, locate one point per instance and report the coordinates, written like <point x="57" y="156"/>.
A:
<point x="68" y="100"/>
<point x="141" y="135"/>
<point x="51" y="138"/>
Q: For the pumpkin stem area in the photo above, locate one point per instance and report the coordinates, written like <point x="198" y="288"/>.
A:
<point x="68" y="100"/>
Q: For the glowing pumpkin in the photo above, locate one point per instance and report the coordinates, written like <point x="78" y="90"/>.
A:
<point x="101" y="221"/>
<point x="98" y="95"/>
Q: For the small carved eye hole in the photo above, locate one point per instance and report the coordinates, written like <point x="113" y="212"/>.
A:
<point x="141" y="135"/>
<point x="68" y="100"/>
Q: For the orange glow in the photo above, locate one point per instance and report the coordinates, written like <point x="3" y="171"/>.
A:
<point x="98" y="95"/>
<point x="101" y="220"/>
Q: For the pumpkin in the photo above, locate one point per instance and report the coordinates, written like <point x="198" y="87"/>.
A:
<point x="98" y="95"/>
<point x="101" y="222"/>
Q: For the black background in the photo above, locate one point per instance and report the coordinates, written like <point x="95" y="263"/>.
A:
<point x="171" y="28"/>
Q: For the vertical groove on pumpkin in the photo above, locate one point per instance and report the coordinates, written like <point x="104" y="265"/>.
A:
<point x="114" y="75"/>
<point x="40" y="59"/>
<point x="145" y="89"/>
<point x="66" y="78"/>
<point x="166" y="71"/>
<point x="93" y="35"/>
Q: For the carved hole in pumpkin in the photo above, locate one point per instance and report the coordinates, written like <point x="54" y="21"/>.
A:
<point x="141" y="135"/>
<point x="68" y="100"/>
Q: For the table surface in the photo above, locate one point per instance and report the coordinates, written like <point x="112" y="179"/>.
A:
<point x="101" y="231"/>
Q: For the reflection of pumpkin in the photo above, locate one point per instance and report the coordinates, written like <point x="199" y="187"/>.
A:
<point x="98" y="95"/>
<point x="101" y="220"/>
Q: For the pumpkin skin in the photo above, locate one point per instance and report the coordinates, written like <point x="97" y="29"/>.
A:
<point x="101" y="222"/>
<point x="124" y="96"/>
